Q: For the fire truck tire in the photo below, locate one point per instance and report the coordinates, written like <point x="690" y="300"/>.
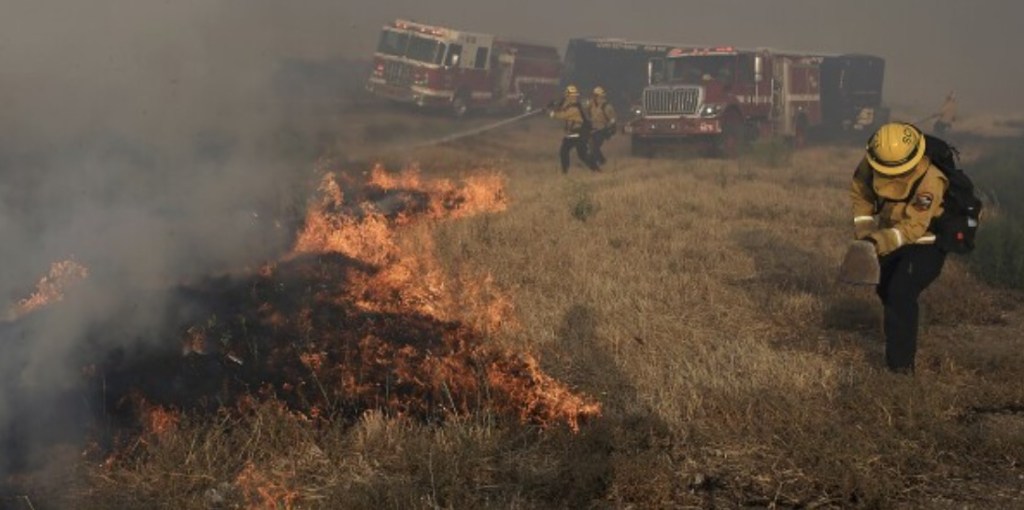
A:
<point x="460" y="104"/>
<point x="800" y="132"/>
<point x="641" y="147"/>
<point x="730" y="142"/>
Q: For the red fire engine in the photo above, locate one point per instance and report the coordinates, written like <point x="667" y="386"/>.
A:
<point x="432" y="66"/>
<point x="727" y="96"/>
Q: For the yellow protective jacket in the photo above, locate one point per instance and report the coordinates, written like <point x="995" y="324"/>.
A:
<point x="885" y="211"/>
<point x="572" y="113"/>
<point x="602" y="113"/>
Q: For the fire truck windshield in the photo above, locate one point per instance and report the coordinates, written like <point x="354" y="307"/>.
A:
<point x="414" y="47"/>
<point x="424" y="50"/>
<point x="698" y="68"/>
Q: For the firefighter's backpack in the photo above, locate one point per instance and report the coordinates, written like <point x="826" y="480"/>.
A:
<point x="956" y="227"/>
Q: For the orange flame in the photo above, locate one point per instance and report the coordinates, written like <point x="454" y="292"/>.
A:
<point x="545" y="399"/>
<point x="51" y="287"/>
<point x="409" y="277"/>
<point x="157" y="421"/>
<point x="266" y="490"/>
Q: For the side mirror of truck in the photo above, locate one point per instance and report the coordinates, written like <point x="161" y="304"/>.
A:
<point x="655" y="71"/>
<point x="758" y="69"/>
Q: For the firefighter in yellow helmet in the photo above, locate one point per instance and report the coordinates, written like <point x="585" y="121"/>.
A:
<point x="576" y="129"/>
<point x="602" y="116"/>
<point x="896" y="192"/>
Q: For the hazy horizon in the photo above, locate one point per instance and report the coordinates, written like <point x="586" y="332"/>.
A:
<point x="930" y="47"/>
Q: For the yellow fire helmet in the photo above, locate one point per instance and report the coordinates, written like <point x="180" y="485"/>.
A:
<point x="599" y="91"/>
<point x="571" y="90"/>
<point x="895" y="149"/>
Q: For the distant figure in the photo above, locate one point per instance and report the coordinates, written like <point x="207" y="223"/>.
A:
<point x="602" y="117"/>
<point x="577" y="128"/>
<point x="946" y="115"/>
<point x="896" y="193"/>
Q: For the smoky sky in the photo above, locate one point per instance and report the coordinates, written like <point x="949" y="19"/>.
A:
<point x="161" y="51"/>
<point x="931" y="46"/>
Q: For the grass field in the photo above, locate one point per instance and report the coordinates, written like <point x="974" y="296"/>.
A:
<point x="696" y="300"/>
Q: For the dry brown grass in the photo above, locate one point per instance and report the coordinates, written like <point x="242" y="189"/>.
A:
<point x="697" y="300"/>
<point x="701" y="296"/>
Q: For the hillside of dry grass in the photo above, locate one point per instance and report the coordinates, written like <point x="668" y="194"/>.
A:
<point x="696" y="300"/>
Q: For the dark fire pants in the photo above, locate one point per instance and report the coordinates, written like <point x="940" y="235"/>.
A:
<point x="580" y="143"/>
<point x="906" y="272"/>
<point x="600" y="136"/>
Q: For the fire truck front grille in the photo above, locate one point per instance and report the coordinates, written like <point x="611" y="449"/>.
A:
<point x="677" y="101"/>
<point x="397" y="73"/>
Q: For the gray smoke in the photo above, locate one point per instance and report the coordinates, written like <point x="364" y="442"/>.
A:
<point x="155" y="143"/>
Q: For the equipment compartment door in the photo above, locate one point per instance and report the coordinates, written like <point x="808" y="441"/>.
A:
<point x="803" y="96"/>
<point x="780" y="104"/>
<point x="503" y="68"/>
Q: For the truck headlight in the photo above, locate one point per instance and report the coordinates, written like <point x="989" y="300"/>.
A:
<point x="710" y="110"/>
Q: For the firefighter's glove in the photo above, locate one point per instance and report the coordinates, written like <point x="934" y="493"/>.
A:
<point x="860" y="264"/>
<point x="863" y="226"/>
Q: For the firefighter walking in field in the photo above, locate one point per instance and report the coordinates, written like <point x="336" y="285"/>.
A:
<point x="577" y="128"/>
<point x="602" y="117"/>
<point x="896" y="193"/>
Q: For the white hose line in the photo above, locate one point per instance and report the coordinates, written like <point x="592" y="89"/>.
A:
<point x="460" y="135"/>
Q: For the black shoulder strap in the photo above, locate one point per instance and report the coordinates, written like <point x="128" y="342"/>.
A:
<point x="913" y="187"/>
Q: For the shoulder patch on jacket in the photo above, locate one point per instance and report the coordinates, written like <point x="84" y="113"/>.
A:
<point x="923" y="201"/>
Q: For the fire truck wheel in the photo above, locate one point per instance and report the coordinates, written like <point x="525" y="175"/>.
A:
<point x="640" y="147"/>
<point x="460" y="105"/>
<point x="730" y="142"/>
<point x="800" y="132"/>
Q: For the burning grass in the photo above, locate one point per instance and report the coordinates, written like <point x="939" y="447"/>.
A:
<point x="51" y="288"/>
<point x="359" y="316"/>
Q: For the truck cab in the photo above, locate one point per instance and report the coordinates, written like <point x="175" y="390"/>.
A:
<point x="725" y="97"/>
<point x="438" y="67"/>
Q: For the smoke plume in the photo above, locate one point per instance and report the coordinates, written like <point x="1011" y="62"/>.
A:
<point x="151" y="143"/>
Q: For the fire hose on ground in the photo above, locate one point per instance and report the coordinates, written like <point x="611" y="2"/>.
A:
<point x="461" y="134"/>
